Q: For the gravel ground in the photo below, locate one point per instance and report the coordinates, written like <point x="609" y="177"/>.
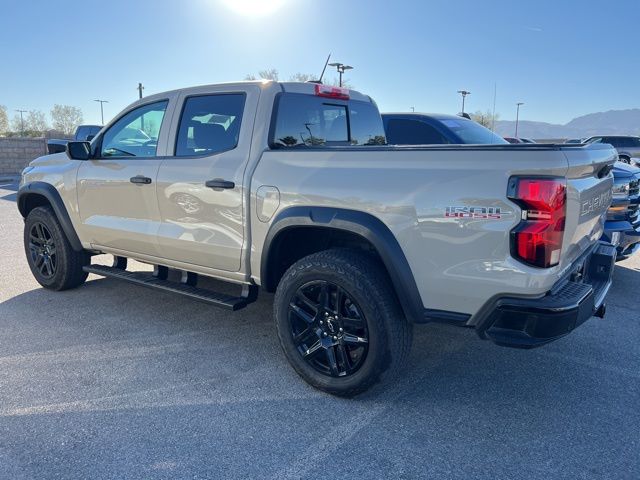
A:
<point x="118" y="381"/>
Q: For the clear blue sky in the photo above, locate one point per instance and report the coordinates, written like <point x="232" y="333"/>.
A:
<point x="562" y="58"/>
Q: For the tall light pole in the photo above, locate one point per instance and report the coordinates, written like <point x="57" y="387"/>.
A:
<point x="140" y="88"/>
<point x="518" y="116"/>
<point x="341" y="67"/>
<point x="464" y="94"/>
<point x="101" y="109"/>
<point x="22" y="121"/>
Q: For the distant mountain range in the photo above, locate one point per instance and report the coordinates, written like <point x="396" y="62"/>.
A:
<point x="613" y="122"/>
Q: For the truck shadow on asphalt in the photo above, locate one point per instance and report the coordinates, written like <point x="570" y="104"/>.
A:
<point x="106" y="312"/>
<point x="11" y="197"/>
<point x="144" y="383"/>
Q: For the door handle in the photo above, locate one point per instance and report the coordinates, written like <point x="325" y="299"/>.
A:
<point x="140" y="179"/>
<point x="218" y="183"/>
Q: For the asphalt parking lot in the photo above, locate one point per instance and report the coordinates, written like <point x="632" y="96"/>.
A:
<point x="118" y="381"/>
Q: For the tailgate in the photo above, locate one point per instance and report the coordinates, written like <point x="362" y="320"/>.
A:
<point x="588" y="197"/>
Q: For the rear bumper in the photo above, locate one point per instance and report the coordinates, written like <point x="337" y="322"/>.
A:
<point x="529" y="323"/>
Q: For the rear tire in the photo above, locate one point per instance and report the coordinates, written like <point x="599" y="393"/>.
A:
<point x="356" y="334"/>
<point x="53" y="262"/>
<point x="624" y="158"/>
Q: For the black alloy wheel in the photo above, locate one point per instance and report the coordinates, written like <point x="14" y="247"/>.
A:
<point x="53" y="262"/>
<point x="43" y="250"/>
<point x="339" y="322"/>
<point x="329" y="329"/>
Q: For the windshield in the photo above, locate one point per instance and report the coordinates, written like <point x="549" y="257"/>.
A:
<point x="471" y="132"/>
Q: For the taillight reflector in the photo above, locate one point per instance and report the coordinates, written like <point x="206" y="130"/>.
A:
<point x="332" y="92"/>
<point x="537" y="239"/>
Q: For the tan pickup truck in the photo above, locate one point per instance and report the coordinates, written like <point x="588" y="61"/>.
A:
<point x="291" y="187"/>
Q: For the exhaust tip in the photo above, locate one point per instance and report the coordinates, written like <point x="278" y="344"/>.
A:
<point x="601" y="311"/>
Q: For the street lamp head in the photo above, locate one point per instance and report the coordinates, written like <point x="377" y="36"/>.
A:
<point x="341" y="67"/>
<point x="520" y="103"/>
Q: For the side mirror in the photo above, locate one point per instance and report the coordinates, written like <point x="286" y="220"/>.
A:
<point x="79" y="150"/>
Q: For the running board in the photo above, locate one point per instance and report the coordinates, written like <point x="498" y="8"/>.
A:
<point x="147" y="279"/>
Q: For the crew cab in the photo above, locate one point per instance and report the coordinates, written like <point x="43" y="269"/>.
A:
<point x="292" y="188"/>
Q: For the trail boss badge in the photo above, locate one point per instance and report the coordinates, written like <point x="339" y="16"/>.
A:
<point x="489" y="213"/>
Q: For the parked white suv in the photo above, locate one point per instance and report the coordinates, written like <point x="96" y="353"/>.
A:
<point x="628" y="147"/>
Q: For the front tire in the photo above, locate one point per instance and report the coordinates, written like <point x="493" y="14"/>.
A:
<point x="624" y="159"/>
<point x="53" y="262"/>
<point x="339" y="322"/>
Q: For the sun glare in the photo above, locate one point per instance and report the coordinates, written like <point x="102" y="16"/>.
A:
<point x="253" y="8"/>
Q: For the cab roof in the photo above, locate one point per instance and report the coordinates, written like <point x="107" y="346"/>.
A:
<point x="308" y="88"/>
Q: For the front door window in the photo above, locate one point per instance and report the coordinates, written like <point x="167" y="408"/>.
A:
<point x="136" y="133"/>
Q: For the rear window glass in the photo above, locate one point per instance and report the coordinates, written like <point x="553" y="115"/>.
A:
<point x="310" y="121"/>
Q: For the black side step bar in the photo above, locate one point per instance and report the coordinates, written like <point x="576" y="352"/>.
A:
<point x="147" y="279"/>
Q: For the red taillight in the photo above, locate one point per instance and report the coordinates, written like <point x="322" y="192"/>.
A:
<point x="332" y="92"/>
<point x="537" y="240"/>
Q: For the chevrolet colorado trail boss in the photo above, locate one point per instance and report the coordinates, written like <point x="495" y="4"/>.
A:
<point x="290" y="187"/>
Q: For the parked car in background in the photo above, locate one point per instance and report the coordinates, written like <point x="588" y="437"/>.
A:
<point x="435" y="129"/>
<point x="84" y="133"/>
<point x="518" y="140"/>
<point x="622" y="226"/>
<point x="628" y="146"/>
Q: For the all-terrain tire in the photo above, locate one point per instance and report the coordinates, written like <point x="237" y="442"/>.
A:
<point x="66" y="264"/>
<point x="363" y="278"/>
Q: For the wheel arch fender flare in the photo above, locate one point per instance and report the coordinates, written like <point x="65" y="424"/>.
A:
<point x="367" y="226"/>
<point x="54" y="199"/>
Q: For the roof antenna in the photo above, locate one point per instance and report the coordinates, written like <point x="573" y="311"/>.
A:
<point x="325" y="67"/>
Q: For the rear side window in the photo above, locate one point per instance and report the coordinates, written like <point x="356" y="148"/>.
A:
<point x="628" y="142"/>
<point x="471" y="132"/>
<point x="310" y="121"/>
<point x="209" y="124"/>
<point x="613" y="141"/>
<point x="86" y="131"/>
<point x="82" y="133"/>
<point x="402" y="131"/>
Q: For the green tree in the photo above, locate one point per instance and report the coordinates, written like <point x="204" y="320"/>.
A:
<point x="4" y="120"/>
<point x="486" y="119"/>
<point x="66" y="118"/>
<point x="35" y="123"/>
<point x="268" y="74"/>
<point x="16" y="126"/>
<point x="303" y="77"/>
